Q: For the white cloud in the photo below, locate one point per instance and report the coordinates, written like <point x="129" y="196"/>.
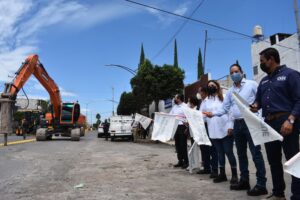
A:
<point x="22" y="20"/>
<point x="84" y="110"/>
<point x="166" y="19"/>
<point x="65" y="93"/>
<point x="181" y="10"/>
<point x="30" y="96"/>
<point x="11" y="13"/>
<point x="10" y="61"/>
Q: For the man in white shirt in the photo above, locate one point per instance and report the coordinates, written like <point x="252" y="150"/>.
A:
<point x="180" y="136"/>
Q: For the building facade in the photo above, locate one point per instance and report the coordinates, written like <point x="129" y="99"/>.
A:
<point x="286" y="44"/>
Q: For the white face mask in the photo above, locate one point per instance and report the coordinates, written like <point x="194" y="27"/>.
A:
<point x="198" y="95"/>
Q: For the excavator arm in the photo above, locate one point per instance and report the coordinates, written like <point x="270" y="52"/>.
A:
<point x="22" y="75"/>
<point x="66" y="120"/>
<point x="29" y="67"/>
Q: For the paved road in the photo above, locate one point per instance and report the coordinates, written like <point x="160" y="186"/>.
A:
<point x="102" y="170"/>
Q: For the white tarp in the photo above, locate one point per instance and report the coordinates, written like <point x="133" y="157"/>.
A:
<point x="196" y="123"/>
<point x="194" y="157"/>
<point x="144" y="121"/>
<point x="260" y="131"/>
<point x="164" y="127"/>
<point x="292" y="166"/>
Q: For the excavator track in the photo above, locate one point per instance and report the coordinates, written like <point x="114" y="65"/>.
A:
<point x="41" y="134"/>
<point x="75" y="134"/>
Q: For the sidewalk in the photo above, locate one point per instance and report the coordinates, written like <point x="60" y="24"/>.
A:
<point x="12" y="139"/>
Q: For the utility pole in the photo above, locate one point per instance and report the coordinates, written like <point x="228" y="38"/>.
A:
<point x="92" y="119"/>
<point x="297" y="20"/>
<point x="86" y="112"/>
<point x="113" y="101"/>
<point x="204" y="56"/>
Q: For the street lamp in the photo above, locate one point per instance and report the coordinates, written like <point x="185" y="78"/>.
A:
<point x="133" y="72"/>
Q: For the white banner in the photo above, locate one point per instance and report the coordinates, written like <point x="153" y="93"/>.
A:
<point x="164" y="127"/>
<point x="194" y="157"/>
<point x="292" y="166"/>
<point x="196" y="123"/>
<point x="144" y="121"/>
<point x="260" y="131"/>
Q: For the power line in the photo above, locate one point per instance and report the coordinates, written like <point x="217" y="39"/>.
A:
<point x="191" y="19"/>
<point x="224" y="39"/>
<point x="206" y="23"/>
<point x="177" y="32"/>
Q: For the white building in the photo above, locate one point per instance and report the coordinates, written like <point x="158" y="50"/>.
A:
<point x="30" y="104"/>
<point x="286" y="44"/>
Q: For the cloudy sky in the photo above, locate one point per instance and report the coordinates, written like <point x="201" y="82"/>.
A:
<point x="75" y="39"/>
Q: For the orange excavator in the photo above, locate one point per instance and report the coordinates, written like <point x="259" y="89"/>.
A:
<point x="65" y="118"/>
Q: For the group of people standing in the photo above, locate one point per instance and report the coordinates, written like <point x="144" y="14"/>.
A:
<point x="277" y="96"/>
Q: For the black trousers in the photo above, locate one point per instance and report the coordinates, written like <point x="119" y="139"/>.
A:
<point x="106" y="134"/>
<point x="290" y="146"/>
<point x="181" y="144"/>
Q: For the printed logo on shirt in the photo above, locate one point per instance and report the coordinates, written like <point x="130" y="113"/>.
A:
<point x="281" y="78"/>
<point x="264" y="82"/>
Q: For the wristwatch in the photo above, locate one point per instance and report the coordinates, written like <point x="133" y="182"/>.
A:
<point x="291" y="121"/>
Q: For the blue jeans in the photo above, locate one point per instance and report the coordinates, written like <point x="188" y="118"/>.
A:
<point x="225" y="146"/>
<point x="209" y="157"/>
<point x="242" y="137"/>
<point x="290" y="146"/>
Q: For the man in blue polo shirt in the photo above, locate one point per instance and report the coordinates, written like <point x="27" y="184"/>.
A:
<point x="278" y="95"/>
<point x="247" y="90"/>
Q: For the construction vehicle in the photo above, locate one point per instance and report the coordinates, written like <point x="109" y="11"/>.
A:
<point x="63" y="120"/>
<point x="29" y="122"/>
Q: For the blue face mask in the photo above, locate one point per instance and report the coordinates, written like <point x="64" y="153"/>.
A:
<point x="236" y="77"/>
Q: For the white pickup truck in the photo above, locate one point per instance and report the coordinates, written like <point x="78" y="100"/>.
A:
<point x="120" y="126"/>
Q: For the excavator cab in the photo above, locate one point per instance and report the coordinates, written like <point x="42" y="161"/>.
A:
<point x="70" y="113"/>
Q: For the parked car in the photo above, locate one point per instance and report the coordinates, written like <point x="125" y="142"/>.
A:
<point x="120" y="127"/>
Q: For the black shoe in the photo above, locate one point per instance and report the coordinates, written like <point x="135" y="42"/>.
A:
<point x="213" y="175"/>
<point x="220" y="178"/>
<point x="234" y="180"/>
<point x="257" y="191"/>
<point x="184" y="166"/>
<point x="204" y="171"/>
<point x="179" y="164"/>
<point x="242" y="185"/>
<point x="273" y="197"/>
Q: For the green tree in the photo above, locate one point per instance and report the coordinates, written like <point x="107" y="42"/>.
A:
<point x="141" y="85"/>
<point x="154" y="83"/>
<point x="168" y="82"/>
<point x="175" y="55"/>
<point x="127" y="104"/>
<point x="200" y="65"/>
<point x="98" y="117"/>
<point x="142" y="56"/>
<point x="45" y="105"/>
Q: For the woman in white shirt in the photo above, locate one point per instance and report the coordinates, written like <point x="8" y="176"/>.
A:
<point x="220" y="131"/>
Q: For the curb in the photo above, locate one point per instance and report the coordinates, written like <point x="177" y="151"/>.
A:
<point x="18" y="142"/>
